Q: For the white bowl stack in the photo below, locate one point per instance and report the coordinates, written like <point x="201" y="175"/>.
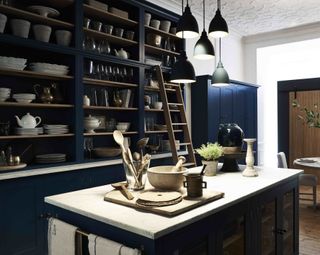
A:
<point x="56" y="129"/>
<point x="12" y="63"/>
<point x="49" y="68"/>
<point x="4" y="94"/>
<point x="24" y="97"/>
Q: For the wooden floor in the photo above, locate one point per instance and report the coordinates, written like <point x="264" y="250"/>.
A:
<point x="309" y="227"/>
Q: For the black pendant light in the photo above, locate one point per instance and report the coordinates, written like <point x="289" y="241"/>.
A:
<point x="203" y="48"/>
<point x="183" y="71"/>
<point x="220" y="76"/>
<point x="187" y="24"/>
<point x="218" y="26"/>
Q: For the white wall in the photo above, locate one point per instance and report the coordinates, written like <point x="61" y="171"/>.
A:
<point x="266" y="63"/>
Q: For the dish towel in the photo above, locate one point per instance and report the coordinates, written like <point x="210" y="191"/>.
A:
<point x="61" y="238"/>
<point x="102" y="246"/>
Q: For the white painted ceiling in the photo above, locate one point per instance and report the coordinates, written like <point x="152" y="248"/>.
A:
<point x="250" y="17"/>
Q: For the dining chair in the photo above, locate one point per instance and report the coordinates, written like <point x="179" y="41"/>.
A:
<point x="309" y="180"/>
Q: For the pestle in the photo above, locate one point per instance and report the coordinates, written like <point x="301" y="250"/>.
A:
<point x="178" y="166"/>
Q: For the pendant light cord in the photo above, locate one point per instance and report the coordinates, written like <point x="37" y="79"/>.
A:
<point x="204" y="15"/>
<point x="219" y="49"/>
<point x="219" y="4"/>
<point x="182" y="14"/>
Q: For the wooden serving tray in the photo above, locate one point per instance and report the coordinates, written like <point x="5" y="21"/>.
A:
<point x="185" y="205"/>
<point x="7" y="168"/>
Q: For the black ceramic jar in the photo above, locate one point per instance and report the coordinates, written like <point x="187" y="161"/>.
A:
<point x="230" y="135"/>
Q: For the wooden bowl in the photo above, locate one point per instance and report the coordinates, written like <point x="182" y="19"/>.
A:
<point x="163" y="178"/>
<point x="104" y="152"/>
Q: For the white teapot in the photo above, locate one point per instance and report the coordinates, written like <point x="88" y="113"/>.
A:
<point x="28" y="121"/>
<point x="122" y="53"/>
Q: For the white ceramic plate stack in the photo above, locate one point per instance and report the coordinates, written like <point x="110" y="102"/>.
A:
<point x="12" y="63"/>
<point x="24" y="97"/>
<point x="49" y="68"/>
<point x="4" y="94"/>
<point x="55" y="129"/>
<point x="29" y="131"/>
<point x="50" y="158"/>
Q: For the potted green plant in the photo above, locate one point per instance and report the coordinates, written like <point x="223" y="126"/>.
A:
<point x="210" y="153"/>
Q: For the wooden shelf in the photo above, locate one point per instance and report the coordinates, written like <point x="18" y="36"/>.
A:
<point x="110" y="108"/>
<point x="109" y="83"/>
<point x="108" y="16"/>
<point x="163" y="33"/>
<point x="156" y="50"/>
<point x="58" y="3"/>
<point x="9" y="137"/>
<point x="111" y="38"/>
<point x="35" y="105"/>
<point x="109" y="133"/>
<point x="32" y="74"/>
<point x="153" y="110"/>
<point x="34" y="17"/>
<point x="153" y="89"/>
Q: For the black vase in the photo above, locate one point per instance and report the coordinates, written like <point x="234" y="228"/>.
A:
<point x="230" y="135"/>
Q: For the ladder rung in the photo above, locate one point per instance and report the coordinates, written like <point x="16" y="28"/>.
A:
<point x="171" y="90"/>
<point x="177" y="104"/>
<point x="189" y="164"/>
<point x="184" y="144"/>
<point x="178" y="124"/>
<point x="171" y="84"/>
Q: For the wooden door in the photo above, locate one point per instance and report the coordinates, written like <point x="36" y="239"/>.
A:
<point x="304" y="141"/>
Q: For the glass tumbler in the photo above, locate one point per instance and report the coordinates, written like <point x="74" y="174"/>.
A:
<point x="136" y="173"/>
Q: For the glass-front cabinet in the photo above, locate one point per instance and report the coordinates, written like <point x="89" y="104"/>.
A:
<point x="234" y="237"/>
<point x="278" y="224"/>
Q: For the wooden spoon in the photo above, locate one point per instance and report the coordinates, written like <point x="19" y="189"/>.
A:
<point x="122" y="186"/>
<point x="141" y="144"/>
<point x="118" y="137"/>
<point x="178" y="166"/>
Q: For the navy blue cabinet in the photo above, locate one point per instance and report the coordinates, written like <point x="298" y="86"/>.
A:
<point x="211" y="106"/>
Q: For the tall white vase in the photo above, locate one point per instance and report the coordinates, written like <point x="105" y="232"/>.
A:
<point x="249" y="171"/>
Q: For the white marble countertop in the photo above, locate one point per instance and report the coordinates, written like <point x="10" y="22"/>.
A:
<point x="90" y="203"/>
<point x="72" y="167"/>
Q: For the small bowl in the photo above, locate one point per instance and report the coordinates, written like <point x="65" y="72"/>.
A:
<point x="63" y="37"/>
<point x="103" y="152"/>
<point x="118" y="31"/>
<point x="41" y="32"/>
<point x="107" y="29"/>
<point x="157" y="105"/>
<point x="163" y="178"/>
<point x="20" y="27"/>
<point x="129" y="35"/>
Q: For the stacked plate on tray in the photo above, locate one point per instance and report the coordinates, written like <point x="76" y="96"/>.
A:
<point x="29" y="131"/>
<point x="12" y="63"/>
<point x="50" y="158"/>
<point x="55" y="129"/>
<point x="49" y="68"/>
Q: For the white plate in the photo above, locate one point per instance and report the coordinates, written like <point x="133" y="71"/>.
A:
<point x="44" y="10"/>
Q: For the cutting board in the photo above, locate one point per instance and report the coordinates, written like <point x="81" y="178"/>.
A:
<point x="185" y="205"/>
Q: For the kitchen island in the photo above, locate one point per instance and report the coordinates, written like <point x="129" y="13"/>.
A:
<point x="257" y="215"/>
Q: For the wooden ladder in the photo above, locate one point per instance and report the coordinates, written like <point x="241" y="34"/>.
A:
<point x="175" y="88"/>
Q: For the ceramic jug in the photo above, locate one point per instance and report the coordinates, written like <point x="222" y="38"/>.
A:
<point x="46" y="96"/>
<point x="28" y="121"/>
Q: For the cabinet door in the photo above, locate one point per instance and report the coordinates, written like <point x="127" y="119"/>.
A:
<point x="234" y="237"/>
<point x="268" y="227"/>
<point x="20" y="227"/>
<point x="288" y="217"/>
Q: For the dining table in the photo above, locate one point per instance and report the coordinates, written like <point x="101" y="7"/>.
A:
<point x="310" y="165"/>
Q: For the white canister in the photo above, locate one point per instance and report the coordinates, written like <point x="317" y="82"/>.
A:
<point x="86" y="100"/>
